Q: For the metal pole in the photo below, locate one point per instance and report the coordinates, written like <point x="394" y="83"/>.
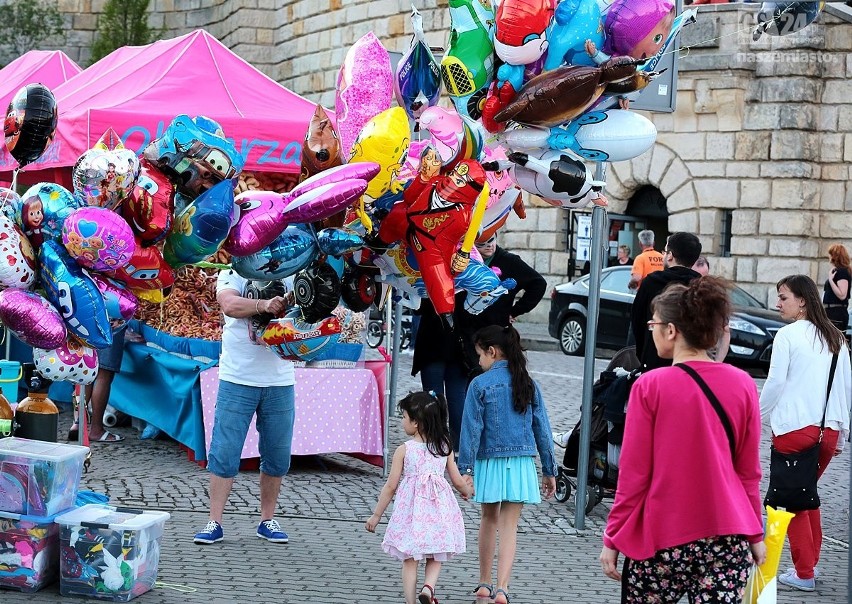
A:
<point x="592" y="311"/>
<point x="393" y="334"/>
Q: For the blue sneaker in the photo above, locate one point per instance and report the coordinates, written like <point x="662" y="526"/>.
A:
<point x="271" y="531"/>
<point x="212" y="533"/>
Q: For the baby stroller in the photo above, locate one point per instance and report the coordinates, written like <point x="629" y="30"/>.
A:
<point x="609" y="405"/>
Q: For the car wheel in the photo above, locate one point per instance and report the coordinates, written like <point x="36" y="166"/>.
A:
<point x="572" y="335"/>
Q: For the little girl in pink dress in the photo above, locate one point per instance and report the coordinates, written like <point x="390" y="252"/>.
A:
<point x="426" y="523"/>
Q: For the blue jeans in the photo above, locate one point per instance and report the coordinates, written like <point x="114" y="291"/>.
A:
<point x="235" y="405"/>
<point x="450" y="380"/>
<point x="110" y="358"/>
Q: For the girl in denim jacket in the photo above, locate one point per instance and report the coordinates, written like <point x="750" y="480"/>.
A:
<point x="505" y="424"/>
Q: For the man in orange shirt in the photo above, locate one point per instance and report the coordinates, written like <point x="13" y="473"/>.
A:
<point x="649" y="261"/>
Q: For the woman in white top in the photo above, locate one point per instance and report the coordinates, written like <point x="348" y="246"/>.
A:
<point x="794" y="399"/>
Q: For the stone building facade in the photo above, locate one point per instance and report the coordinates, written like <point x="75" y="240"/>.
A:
<point x="756" y="158"/>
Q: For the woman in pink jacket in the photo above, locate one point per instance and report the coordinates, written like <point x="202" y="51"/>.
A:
<point x="687" y="514"/>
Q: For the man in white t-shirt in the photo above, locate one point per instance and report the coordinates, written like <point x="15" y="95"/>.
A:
<point x="252" y="380"/>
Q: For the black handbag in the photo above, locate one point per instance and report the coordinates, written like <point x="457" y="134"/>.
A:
<point x="793" y="476"/>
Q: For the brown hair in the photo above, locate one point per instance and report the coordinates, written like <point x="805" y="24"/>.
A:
<point x="699" y="310"/>
<point x="804" y="288"/>
<point x="839" y="255"/>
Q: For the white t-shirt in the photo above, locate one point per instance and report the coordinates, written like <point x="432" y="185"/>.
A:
<point x="242" y="361"/>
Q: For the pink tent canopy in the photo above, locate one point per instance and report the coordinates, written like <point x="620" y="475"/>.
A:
<point x="48" y="67"/>
<point x="137" y="91"/>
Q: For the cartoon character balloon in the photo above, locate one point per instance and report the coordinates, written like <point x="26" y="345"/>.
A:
<point x="560" y="178"/>
<point x="105" y="175"/>
<point x="202" y="227"/>
<point x="43" y="210"/>
<point x="98" y="238"/>
<point x="637" y="29"/>
<point x="383" y="140"/>
<point x="31" y="318"/>
<point x="291" y="251"/>
<point x="522" y="28"/>
<point x="293" y="339"/>
<point x="72" y="362"/>
<point x="782" y="18"/>
<point x="261" y="220"/>
<point x="418" y="78"/>
<point x="120" y="303"/>
<point x="10" y="203"/>
<point x="70" y="289"/>
<point x="30" y="123"/>
<point x="454" y="136"/>
<point x="574" y="22"/>
<point x="17" y="258"/>
<point x="321" y="149"/>
<point x="146" y="270"/>
<point x="151" y="205"/>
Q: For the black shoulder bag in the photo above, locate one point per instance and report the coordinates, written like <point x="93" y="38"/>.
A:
<point x="717" y="406"/>
<point x="793" y="476"/>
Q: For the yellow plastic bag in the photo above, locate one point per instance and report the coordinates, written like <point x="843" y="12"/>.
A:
<point x="762" y="587"/>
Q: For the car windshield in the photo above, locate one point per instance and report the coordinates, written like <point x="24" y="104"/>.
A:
<point x="613" y="280"/>
<point x="739" y="297"/>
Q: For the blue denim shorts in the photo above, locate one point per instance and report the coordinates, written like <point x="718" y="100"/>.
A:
<point x="110" y="358"/>
<point x="235" y="405"/>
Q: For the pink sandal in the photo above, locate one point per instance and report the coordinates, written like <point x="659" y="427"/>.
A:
<point x="427" y="598"/>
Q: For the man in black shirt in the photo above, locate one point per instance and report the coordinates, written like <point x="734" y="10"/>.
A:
<point x="681" y="252"/>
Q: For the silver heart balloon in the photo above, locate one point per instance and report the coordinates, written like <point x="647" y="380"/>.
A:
<point x="106" y="174"/>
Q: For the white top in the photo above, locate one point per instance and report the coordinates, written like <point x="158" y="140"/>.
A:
<point x="794" y="393"/>
<point x="242" y="361"/>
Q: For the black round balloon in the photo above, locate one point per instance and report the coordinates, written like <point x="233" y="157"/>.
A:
<point x="782" y="18"/>
<point x="358" y="289"/>
<point x="30" y="123"/>
<point x="317" y="291"/>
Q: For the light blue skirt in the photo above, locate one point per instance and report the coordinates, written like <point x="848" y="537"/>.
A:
<point x="512" y="479"/>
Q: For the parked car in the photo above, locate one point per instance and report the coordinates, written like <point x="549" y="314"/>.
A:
<point x="753" y="326"/>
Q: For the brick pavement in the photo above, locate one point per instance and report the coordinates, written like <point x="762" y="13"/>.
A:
<point x="332" y="559"/>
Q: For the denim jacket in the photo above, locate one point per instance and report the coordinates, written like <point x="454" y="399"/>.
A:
<point x="492" y="428"/>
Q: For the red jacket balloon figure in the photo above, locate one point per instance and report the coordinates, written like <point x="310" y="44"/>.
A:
<point x="433" y="218"/>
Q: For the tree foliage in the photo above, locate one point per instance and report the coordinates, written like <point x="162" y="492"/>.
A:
<point x="28" y="24"/>
<point x="123" y="23"/>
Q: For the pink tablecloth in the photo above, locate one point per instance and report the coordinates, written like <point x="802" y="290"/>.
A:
<point x="337" y="411"/>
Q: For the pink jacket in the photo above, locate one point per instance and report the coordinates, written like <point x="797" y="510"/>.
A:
<point x="676" y="481"/>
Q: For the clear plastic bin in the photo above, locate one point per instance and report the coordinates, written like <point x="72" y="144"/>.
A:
<point x="29" y="551"/>
<point x="39" y="478"/>
<point x="109" y="553"/>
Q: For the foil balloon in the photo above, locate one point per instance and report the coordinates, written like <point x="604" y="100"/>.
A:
<point x="364" y="88"/>
<point x="72" y="362"/>
<point x="98" y="238"/>
<point x="338" y="241"/>
<point x="574" y="22"/>
<point x="293" y="339"/>
<point x="195" y="155"/>
<point x="44" y="208"/>
<point x="151" y="205"/>
<point x="324" y="201"/>
<point x="321" y="149"/>
<point x="482" y="285"/>
<point x="31" y="318"/>
<point x="317" y="291"/>
<point x="782" y="18"/>
<point x="522" y="28"/>
<point x="357" y="288"/>
<point x="30" y="123"/>
<point x="261" y="220"/>
<point x="468" y="65"/>
<point x="70" y="289"/>
<point x="384" y="140"/>
<point x="497" y="213"/>
<point x="146" y="270"/>
<point x="262" y="290"/>
<point x="120" y="303"/>
<point x="557" y="96"/>
<point x="357" y="171"/>
<point x="202" y="227"/>
<point x="10" y="203"/>
<point x="559" y="178"/>
<point x="106" y="174"/>
<point x="455" y="137"/>
<point x="292" y="250"/>
<point x="637" y="29"/>
<point x="17" y="259"/>
<point x="417" y="84"/>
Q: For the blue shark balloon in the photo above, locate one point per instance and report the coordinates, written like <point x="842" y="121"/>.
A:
<point x="202" y="227"/>
<point x="292" y="251"/>
<point x="338" y="241"/>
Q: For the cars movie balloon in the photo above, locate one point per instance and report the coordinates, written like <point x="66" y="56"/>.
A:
<point x="321" y="149"/>
<point x="151" y="205"/>
<point x="30" y="123"/>
<point x="120" y="303"/>
<point x="72" y="362"/>
<point x="105" y="175"/>
<point x="417" y="83"/>
<point x="17" y="259"/>
<point x="261" y="220"/>
<point x="364" y="88"/>
<point x="31" y="318"/>
<point x="384" y="139"/>
<point x="291" y="251"/>
<point x="195" y="155"/>
<point x="146" y="270"/>
<point x="202" y="227"/>
<point x="44" y="208"/>
<point x="293" y="339"/>
<point x="98" y="238"/>
<point x="79" y="301"/>
<point x="782" y="18"/>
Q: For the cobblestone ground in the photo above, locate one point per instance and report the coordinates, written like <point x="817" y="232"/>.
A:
<point x="332" y="559"/>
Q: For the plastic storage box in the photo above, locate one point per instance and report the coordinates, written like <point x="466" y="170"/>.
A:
<point x="29" y="551"/>
<point x="39" y="478"/>
<point x="109" y="553"/>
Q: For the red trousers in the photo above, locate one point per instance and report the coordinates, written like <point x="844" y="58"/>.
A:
<point x="805" y="530"/>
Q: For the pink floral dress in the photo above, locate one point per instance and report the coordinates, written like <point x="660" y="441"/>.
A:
<point x="426" y="521"/>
